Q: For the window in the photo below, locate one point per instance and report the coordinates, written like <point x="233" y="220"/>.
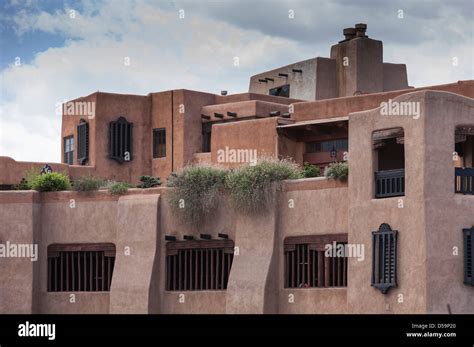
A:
<point x="198" y="265"/>
<point x="80" y="267"/>
<point x="69" y="150"/>
<point x="82" y="142"/>
<point x="159" y="143"/>
<point x="389" y="151"/>
<point x="206" y="137"/>
<point x="326" y="146"/>
<point x="384" y="258"/>
<point x="280" y="91"/>
<point x="306" y="264"/>
<point x="464" y="160"/>
<point x="120" y="140"/>
<point x="468" y="256"/>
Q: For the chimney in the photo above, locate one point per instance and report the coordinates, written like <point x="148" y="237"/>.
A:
<point x="349" y="33"/>
<point x="360" y="30"/>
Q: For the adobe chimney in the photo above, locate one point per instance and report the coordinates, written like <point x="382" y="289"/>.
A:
<point x="360" y="30"/>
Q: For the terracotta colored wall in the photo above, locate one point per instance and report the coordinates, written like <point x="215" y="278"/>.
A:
<point x="244" y="109"/>
<point x="320" y="208"/>
<point x="446" y="213"/>
<point x="343" y="106"/>
<point x="366" y="213"/>
<point x="137" y="238"/>
<point x="394" y="77"/>
<point x="19" y="216"/>
<point x="258" y="134"/>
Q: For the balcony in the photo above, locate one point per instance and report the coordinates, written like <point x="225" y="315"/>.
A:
<point x="389" y="183"/>
<point x="464" y="180"/>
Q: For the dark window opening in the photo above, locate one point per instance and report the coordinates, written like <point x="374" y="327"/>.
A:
<point x="120" y="140"/>
<point x="69" y="150"/>
<point x="306" y="265"/>
<point x="389" y="162"/>
<point x="159" y="143"/>
<point x="384" y="258"/>
<point x="206" y="137"/>
<point x="82" y="142"/>
<point x="464" y="160"/>
<point x="280" y="91"/>
<point x="327" y="146"/>
<point x="468" y="256"/>
<point x="198" y="265"/>
<point x="80" y="267"/>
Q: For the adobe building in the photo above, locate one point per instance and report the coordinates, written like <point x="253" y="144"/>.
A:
<point x="406" y="212"/>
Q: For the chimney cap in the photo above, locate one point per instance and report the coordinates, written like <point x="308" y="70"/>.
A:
<point x="361" y="26"/>
<point x="349" y="31"/>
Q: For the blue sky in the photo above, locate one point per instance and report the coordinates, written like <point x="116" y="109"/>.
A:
<point x="64" y="57"/>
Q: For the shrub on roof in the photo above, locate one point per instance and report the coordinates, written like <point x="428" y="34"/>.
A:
<point x="310" y="170"/>
<point x="338" y="171"/>
<point x="51" y="182"/>
<point x="87" y="183"/>
<point x="149" y="182"/>
<point x="196" y="191"/>
<point x="252" y="188"/>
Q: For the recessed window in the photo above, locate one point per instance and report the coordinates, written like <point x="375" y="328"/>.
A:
<point x="306" y="263"/>
<point x="206" y="137"/>
<point x="326" y="146"/>
<point x="120" y="140"/>
<point x="198" y="265"/>
<point x="159" y="143"/>
<point x="280" y="91"/>
<point x="389" y="152"/>
<point x="468" y="256"/>
<point x="464" y="159"/>
<point x="384" y="258"/>
<point x="69" y="150"/>
<point x="80" y="267"/>
<point x="82" y="142"/>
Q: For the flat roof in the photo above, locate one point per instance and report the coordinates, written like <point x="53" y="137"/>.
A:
<point x="315" y="121"/>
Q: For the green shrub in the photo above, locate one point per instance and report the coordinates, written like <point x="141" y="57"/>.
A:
<point x="118" y="188"/>
<point x="87" y="183"/>
<point x="51" y="182"/>
<point x="27" y="180"/>
<point x="310" y="170"/>
<point x="149" y="182"/>
<point x="250" y="187"/>
<point x="196" y="191"/>
<point x="338" y="171"/>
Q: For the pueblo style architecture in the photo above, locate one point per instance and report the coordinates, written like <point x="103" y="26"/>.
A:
<point x="406" y="213"/>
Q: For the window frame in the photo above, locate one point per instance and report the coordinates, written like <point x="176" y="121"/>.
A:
<point x="199" y="253"/>
<point x="159" y="148"/>
<point x="119" y="145"/>
<point x="468" y="261"/>
<point x="62" y="267"/>
<point x="316" y="270"/>
<point x="68" y="156"/>
<point x="82" y="130"/>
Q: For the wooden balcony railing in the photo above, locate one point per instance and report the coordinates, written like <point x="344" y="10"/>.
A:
<point x="464" y="180"/>
<point x="389" y="183"/>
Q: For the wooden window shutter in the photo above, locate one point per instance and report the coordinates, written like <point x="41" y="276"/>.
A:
<point x="120" y="140"/>
<point x="468" y="256"/>
<point x="384" y="258"/>
<point x="82" y="142"/>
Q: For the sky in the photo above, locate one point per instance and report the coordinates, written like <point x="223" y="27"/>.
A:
<point x="52" y="51"/>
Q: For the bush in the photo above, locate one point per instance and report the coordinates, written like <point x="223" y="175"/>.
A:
<point x="87" y="183"/>
<point x="27" y="180"/>
<point x="310" y="170"/>
<point x="250" y="187"/>
<point x="118" y="188"/>
<point x="51" y="182"/>
<point x="149" y="182"/>
<point x="338" y="171"/>
<point x="196" y="191"/>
